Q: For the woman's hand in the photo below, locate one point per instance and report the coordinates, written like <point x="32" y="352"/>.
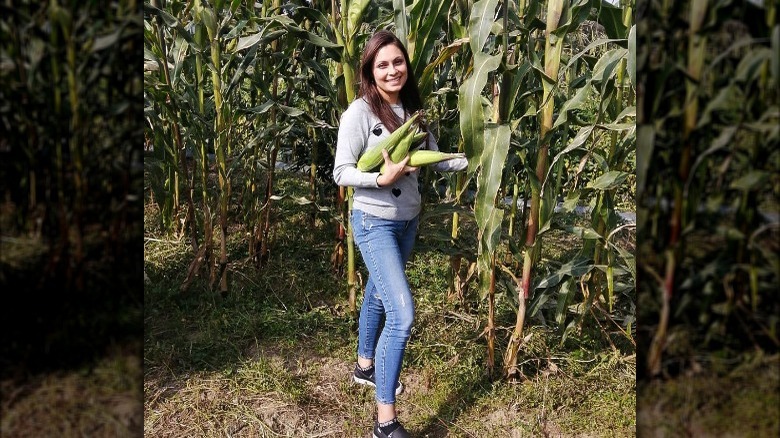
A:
<point x="393" y="171"/>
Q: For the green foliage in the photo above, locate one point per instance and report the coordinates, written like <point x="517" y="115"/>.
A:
<point x="286" y="76"/>
<point x="67" y="117"/>
<point x="704" y="181"/>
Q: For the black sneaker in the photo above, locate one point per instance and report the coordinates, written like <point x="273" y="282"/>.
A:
<point x="396" y="430"/>
<point x="367" y="378"/>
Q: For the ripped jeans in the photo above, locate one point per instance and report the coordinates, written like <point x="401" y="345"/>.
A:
<point x="385" y="246"/>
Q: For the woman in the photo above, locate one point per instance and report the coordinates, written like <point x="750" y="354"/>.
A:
<point x="384" y="217"/>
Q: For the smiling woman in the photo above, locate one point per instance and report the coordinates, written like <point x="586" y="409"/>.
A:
<point x="384" y="217"/>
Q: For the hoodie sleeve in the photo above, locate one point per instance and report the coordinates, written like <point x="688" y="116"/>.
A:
<point x="352" y="139"/>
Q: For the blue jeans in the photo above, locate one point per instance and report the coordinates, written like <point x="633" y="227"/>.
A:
<point x="385" y="246"/>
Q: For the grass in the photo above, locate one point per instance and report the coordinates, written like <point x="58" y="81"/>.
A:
<point x="100" y="400"/>
<point x="274" y="358"/>
<point x="741" y="402"/>
<point x="72" y="364"/>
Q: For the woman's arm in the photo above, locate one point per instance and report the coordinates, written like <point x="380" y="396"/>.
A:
<point x="352" y="138"/>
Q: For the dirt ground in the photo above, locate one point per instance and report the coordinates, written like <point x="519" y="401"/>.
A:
<point x="101" y="401"/>
<point x="327" y="403"/>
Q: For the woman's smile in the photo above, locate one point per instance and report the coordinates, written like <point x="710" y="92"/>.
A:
<point x="390" y="72"/>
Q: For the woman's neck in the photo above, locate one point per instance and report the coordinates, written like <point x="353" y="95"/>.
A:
<point x="392" y="99"/>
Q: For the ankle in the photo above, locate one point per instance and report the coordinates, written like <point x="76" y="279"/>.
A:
<point x="389" y="426"/>
<point x="365" y="364"/>
<point x="385" y="413"/>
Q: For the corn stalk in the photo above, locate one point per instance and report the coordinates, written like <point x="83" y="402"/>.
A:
<point x="67" y="26"/>
<point x="486" y="145"/>
<point x="696" y="52"/>
<point x="269" y="187"/>
<point x="347" y="27"/>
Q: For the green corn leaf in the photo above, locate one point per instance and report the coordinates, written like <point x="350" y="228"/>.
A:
<point x="323" y="22"/>
<point x="578" y="101"/>
<point x="565" y="294"/>
<point x="586" y="50"/>
<point x="611" y="17"/>
<point x="750" y="66"/>
<point x="480" y="24"/>
<point x="631" y="60"/>
<point x="428" y="19"/>
<point x="170" y="22"/>
<point x="292" y="112"/>
<point x="401" y="20"/>
<point x="472" y="118"/>
<point x="575" y="268"/>
<point x="488" y="216"/>
<point x="608" y="181"/>
<point x="235" y="32"/>
<point x="721" y="141"/>
<point x="753" y="180"/>
<point x="582" y="135"/>
<point x="249" y="59"/>
<point x="584" y="232"/>
<point x="537" y="303"/>
<point x="426" y="80"/>
<point x="571" y="201"/>
<point x="261" y="37"/>
<point x="311" y="37"/>
<point x="606" y="67"/>
<point x="355" y="16"/>
<point x="210" y="21"/>
<point x="573" y="14"/>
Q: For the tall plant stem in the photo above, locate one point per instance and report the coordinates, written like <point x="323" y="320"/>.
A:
<point x="552" y="58"/>
<point x="190" y="218"/>
<point x="269" y="187"/>
<point x="552" y="61"/>
<point x="59" y="162"/>
<point x="696" y="50"/>
<point x="220" y="146"/>
<point x="348" y="68"/>
<point x="75" y="139"/>
<point x="205" y="252"/>
<point x="455" y="285"/>
<point x="513" y="207"/>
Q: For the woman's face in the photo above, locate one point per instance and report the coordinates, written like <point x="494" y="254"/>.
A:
<point x="390" y="72"/>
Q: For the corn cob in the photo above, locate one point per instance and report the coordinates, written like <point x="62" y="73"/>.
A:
<point x="373" y="157"/>
<point x="426" y="157"/>
<point x="411" y="139"/>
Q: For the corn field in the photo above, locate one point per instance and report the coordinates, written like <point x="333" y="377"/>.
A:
<point x="707" y="183"/>
<point x="71" y="169"/>
<point x="70" y="165"/>
<point x="540" y="96"/>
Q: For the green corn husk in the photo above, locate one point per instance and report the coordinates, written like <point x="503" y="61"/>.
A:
<point x="373" y="157"/>
<point x="402" y="150"/>
<point x="426" y="157"/>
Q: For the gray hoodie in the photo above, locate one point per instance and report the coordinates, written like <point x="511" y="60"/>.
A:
<point x="360" y="130"/>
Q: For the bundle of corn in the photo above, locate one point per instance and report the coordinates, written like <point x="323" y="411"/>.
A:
<point x="403" y="136"/>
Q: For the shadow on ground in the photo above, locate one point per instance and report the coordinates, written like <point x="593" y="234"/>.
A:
<point x="71" y="355"/>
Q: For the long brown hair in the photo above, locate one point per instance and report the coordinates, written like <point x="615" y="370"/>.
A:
<point x="409" y="94"/>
